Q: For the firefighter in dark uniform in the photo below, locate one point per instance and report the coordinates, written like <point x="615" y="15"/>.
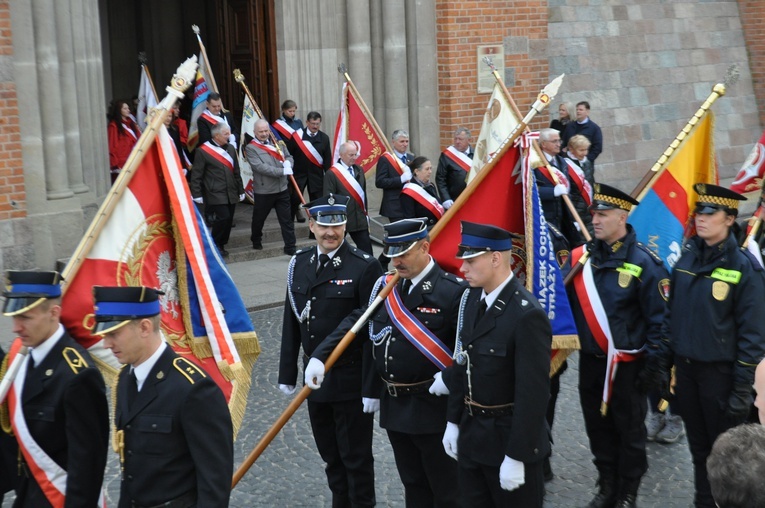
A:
<point x="714" y="330"/>
<point x="324" y="284"/>
<point x="629" y="287"/>
<point x="410" y="409"/>
<point x="57" y="403"/>
<point x="500" y="383"/>
<point x="172" y="427"/>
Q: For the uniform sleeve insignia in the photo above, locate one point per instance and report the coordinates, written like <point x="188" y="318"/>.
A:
<point x="74" y="359"/>
<point x="190" y="371"/>
<point x="664" y="289"/>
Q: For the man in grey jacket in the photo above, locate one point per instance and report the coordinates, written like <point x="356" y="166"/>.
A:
<point x="271" y="167"/>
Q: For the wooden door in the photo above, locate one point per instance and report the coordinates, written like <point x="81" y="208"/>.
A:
<point x="248" y="43"/>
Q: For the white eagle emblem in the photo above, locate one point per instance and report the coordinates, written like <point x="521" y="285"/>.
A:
<point x="168" y="283"/>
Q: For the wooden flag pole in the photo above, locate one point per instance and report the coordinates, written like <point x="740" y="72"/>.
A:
<point x="203" y="50"/>
<point x="182" y="80"/>
<point x="239" y="78"/>
<point x="544" y="98"/>
<point x="661" y="164"/>
<point x="539" y="152"/>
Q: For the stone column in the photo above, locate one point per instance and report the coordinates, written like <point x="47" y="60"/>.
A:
<point x="360" y="47"/>
<point x="69" y="96"/>
<point x="423" y="78"/>
<point x="48" y="73"/>
<point x="96" y="76"/>
<point x="25" y="72"/>
<point x="396" y="75"/>
<point x="83" y="90"/>
<point x="378" y="65"/>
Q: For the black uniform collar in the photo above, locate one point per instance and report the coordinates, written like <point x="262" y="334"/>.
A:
<point x="617" y="250"/>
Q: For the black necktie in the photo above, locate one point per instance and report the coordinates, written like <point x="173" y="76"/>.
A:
<point x="481" y="310"/>
<point x="323" y="260"/>
<point x="406" y="286"/>
<point x="132" y="388"/>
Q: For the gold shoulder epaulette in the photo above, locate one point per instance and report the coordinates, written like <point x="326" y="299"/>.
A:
<point x="74" y="359"/>
<point x="189" y="370"/>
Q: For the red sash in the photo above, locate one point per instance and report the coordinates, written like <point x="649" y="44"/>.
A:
<point x="210" y="117"/>
<point x="459" y="158"/>
<point x="350" y="185"/>
<point x="545" y="170"/>
<point x="577" y="176"/>
<point x="394" y="161"/>
<point x="273" y="152"/>
<point x="415" y="332"/>
<point x="285" y="130"/>
<point x="597" y="322"/>
<point x="420" y="195"/>
<point x="308" y="149"/>
<point x="219" y="154"/>
<point x="49" y="476"/>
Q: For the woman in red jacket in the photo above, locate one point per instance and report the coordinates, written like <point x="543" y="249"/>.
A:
<point x="123" y="133"/>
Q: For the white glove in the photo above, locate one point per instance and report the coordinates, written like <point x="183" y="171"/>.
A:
<point x="577" y="226"/>
<point x="314" y="369"/>
<point x="448" y="203"/>
<point x="370" y="405"/>
<point x="511" y="474"/>
<point x="406" y="176"/>
<point x="449" y="441"/>
<point x="241" y="197"/>
<point x="199" y="200"/>
<point x="287" y="389"/>
<point x="287" y="168"/>
<point x="560" y="190"/>
<point x="438" y="387"/>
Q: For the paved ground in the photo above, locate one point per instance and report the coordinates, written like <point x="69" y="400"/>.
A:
<point x="290" y="472"/>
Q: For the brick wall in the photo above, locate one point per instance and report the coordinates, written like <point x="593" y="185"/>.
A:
<point x="752" y="13"/>
<point x="520" y="26"/>
<point x="12" y="192"/>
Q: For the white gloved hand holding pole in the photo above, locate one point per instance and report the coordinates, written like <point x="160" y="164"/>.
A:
<point x="511" y="474"/>
<point x="287" y="168"/>
<point x="448" y="203"/>
<point x="438" y="387"/>
<point x="560" y="190"/>
<point x="406" y="175"/>
<point x="314" y="373"/>
<point x="451" y="434"/>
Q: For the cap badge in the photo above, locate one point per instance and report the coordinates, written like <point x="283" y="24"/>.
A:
<point x="331" y="200"/>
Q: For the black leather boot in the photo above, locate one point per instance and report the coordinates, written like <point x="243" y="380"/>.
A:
<point x="628" y="501"/>
<point x="628" y="490"/>
<point x="606" y="496"/>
